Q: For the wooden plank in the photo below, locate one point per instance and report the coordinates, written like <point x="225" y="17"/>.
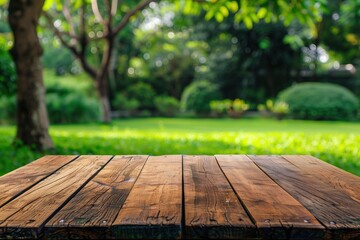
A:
<point x="25" y="216"/>
<point x="331" y="194"/>
<point x="18" y="181"/>
<point x="154" y="206"/>
<point x="276" y="213"/>
<point x="90" y="213"/>
<point x="212" y="209"/>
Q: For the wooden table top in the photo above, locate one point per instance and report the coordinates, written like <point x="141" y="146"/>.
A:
<point x="172" y="197"/>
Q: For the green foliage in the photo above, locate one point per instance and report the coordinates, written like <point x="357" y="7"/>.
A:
<point x="72" y="108"/>
<point x="143" y="93"/>
<point x="167" y="106"/>
<point x="341" y="34"/>
<point x="7" y="72"/>
<point x="333" y="142"/>
<point x="167" y="60"/>
<point x="198" y="95"/>
<point x="239" y="105"/>
<point x="251" y="11"/>
<point x="234" y="108"/>
<point x="220" y="107"/>
<point x="7" y="109"/>
<point x="71" y="99"/>
<point x="320" y="101"/>
<point x="122" y="103"/>
<point x="63" y="62"/>
<point x="280" y="108"/>
<point x="247" y="64"/>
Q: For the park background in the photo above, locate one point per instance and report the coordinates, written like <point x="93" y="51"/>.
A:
<point x="192" y="77"/>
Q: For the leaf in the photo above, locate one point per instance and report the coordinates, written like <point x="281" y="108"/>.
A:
<point x="209" y="14"/>
<point x="238" y="17"/>
<point x="261" y="13"/>
<point x="77" y="4"/>
<point x="47" y="5"/>
<point x="187" y="7"/>
<point x="219" y="17"/>
<point x="248" y="22"/>
<point x="254" y="18"/>
<point x="232" y="6"/>
<point x="224" y="11"/>
<point x="2" y="2"/>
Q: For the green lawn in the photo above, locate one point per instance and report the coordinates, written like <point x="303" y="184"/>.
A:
<point x="335" y="142"/>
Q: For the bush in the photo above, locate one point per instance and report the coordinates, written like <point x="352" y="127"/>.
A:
<point x="7" y="109"/>
<point x="198" y="95"/>
<point x="143" y="93"/>
<point x="70" y="101"/>
<point x="320" y="101"/>
<point x="122" y="103"/>
<point x="239" y="105"/>
<point x="61" y="64"/>
<point x="220" y="107"/>
<point x="234" y="108"/>
<point x="167" y="106"/>
<point x="72" y="108"/>
<point x="7" y="73"/>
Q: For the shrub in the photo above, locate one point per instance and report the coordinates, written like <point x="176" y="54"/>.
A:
<point x="166" y="105"/>
<point x="220" y="107"/>
<point x="7" y="109"/>
<point x="7" y="73"/>
<point x="143" y="93"/>
<point x="198" y="95"/>
<point x="320" y="101"/>
<point x="72" y="108"/>
<point x="70" y="101"/>
<point x="280" y="107"/>
<point x="61" y="64"/>
<point x="239" y="105"/>
<point x="122" y="103"/>
<point x="233" y="108"/>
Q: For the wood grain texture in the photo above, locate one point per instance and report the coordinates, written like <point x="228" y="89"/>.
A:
<point x="276" y="213"/>
<point x="90" y="213"/>
<point x="154" y="206"/>
<point x="331" y="194"/>
<point x="18" y="181"/>
<point x="172" y="197"/>
<point x="212" y="209"/>
<point x="25" y="216"/>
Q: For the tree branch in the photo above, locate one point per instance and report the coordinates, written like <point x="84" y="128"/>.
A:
<point x="96" y="11"/>
<point x="80" y="54"/>
<point x="109" y="20"/>
<point x="129" y="14"/>
<point x="83" y="44"/>
<point x="114" y="5"/>
<point x="60" y="34"/>
<point x="107" y="4"/>
<point x="68" y="17"/>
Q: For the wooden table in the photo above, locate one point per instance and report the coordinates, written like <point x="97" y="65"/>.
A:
<point x="172" y="197"/>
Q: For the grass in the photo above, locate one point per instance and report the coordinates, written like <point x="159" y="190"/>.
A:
<point x="335" y="142"/>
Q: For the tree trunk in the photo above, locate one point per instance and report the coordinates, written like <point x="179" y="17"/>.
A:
<point x="103" y="91"/>
<point x="32" y="119"/>
<point x="102" y="78"/>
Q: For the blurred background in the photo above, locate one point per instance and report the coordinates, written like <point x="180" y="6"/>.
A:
<point x="192" y="77"/>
